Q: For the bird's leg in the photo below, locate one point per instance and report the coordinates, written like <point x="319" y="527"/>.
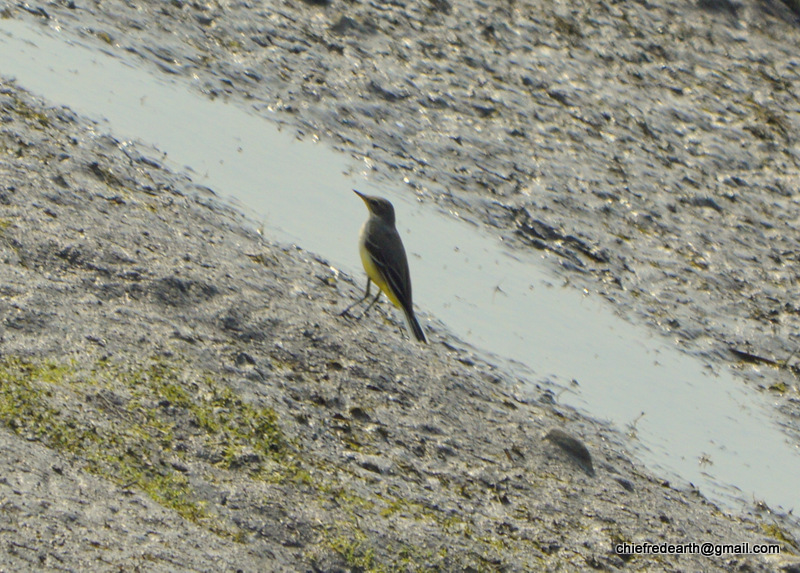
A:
<point x="366" y="295"/>
<point x="369" y="306"/>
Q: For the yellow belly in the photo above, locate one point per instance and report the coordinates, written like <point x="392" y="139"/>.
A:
<point x="375" y="276"/>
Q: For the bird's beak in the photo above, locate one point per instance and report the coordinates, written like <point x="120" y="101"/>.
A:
<point x="363" y="197"/>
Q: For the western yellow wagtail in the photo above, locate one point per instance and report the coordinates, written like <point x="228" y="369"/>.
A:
<point x="384" y="259"/>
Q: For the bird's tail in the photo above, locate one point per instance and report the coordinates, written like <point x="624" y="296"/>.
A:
<point x="414" y="326"/>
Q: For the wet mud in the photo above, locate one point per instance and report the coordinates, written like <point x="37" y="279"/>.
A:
<point x="177" y="393"/>
<point x="649" y="150"/>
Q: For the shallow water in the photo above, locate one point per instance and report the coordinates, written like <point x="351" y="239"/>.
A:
<point x="701" y="425"/>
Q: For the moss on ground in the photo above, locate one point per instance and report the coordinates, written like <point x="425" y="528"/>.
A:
<point x="137" y="426"/>
<point x="142" y="426"/>
<point x="776" y="532"/>
<point x="26" y="111"/>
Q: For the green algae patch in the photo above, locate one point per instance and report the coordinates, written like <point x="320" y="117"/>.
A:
<point x="26" y="111"/>
<point x="776" y="532"/>
<point x="234" y="434"/>
<point x="354" y="550"/>
<point x="140" y="427"/>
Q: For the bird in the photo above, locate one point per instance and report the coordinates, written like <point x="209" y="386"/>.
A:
<point x="385" y="262"/>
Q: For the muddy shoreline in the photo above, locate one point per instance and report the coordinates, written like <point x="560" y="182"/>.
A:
<point x="649" y="150"/>
<point x="141" y="315"/>
<point x="176" y="394"/>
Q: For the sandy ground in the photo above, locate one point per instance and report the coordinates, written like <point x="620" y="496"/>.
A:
<point x="199" y="409"/>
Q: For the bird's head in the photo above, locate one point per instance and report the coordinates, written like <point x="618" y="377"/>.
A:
<point x="378" y="206"/>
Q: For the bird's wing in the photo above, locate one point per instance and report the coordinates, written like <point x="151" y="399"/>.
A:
<point x="392" y="263"/>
